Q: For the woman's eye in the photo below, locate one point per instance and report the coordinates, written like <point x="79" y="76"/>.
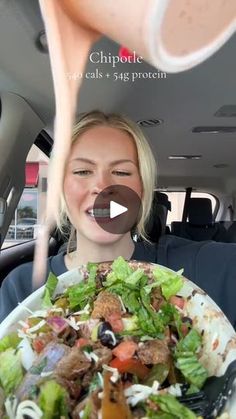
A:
<point x="82" y="172"/>
<point x="121" y="173"/>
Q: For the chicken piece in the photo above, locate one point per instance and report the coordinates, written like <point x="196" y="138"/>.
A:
<point x="156" y="298"/>
<point x="154" y="352"/>
<point x="73" y="387"/>
<point x="73" y="365"/>
<point x="87" y="378"/>
<point x="106" y="304"/>
<point x="104" y="357"/>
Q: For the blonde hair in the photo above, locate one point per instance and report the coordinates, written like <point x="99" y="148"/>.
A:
<point x="146" y="161"/>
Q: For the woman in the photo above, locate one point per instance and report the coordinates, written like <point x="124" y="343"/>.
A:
<point x="106" y="151"/>
<point x="111" y="150"/>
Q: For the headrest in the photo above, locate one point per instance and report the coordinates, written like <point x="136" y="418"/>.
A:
<point x="162" y="199"/>
<point x="156" y="225"/>
<point x="200" y="211"/>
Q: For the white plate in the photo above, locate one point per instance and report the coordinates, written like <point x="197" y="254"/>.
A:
<point x="219" y="337"/>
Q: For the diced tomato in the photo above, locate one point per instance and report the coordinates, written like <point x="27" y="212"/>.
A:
<point x="38" y="344"/>
<point x="81" y="342"/>
<point x="177" y="301"/>
<point x="125" y="350"/>
<point x="115" y="321"/>
<point x="184" y="329"/>
<point x="133" y="366"/>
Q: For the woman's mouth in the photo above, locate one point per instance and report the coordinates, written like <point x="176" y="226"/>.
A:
<point x="100" y="215"/>
<point x="99" y="212"/>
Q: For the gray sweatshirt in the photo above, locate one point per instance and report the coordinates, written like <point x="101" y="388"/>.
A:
<point x="211" y="265"/>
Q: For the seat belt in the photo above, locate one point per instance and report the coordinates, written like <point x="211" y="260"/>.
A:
<point x="186" y="204"/>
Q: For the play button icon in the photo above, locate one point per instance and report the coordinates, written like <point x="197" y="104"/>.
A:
<point x="117" y="209"/>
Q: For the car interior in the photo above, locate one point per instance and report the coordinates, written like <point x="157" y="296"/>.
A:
<point x="188" y="118"/>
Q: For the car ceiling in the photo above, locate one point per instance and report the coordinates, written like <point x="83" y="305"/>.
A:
<point x="182" y="100"/>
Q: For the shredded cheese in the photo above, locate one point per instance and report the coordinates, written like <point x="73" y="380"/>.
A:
<point x="91" y="356"/>
<point x="11" y="406"/>
<point x="84" y="311"/>
<point x="36" y="327"/>
<point x="71" y="321"/>
<point x="122" y="304"/>
<point x="101" y="379"/>
<point x="115" y="374"/>
<point x="23" y="334"/>
<point x="100" y="395"/>
<point x="57" y="309"/>
<point x="138" y="392"/>
<point x="46" y="373"/>
<point x="175" y="390"/>
<point x="30" y="409"/>
<point x="27" y="354"/>
<point x="25" y="408"/>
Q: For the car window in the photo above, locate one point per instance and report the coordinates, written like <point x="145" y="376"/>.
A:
<point x="177" y="204"/>
<point x="31" y="207"/>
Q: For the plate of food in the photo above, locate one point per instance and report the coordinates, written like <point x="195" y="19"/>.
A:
<point x="112" y="340"/>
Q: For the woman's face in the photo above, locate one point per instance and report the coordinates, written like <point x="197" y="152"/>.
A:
<point x="100" y="157"/>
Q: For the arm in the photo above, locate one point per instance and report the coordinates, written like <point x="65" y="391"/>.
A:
<point x="18" y="284"/>
<point x="15" y="288"/>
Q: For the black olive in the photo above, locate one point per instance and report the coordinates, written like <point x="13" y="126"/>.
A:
<point x="187" y="319"/>
<point x="106" y="338"/>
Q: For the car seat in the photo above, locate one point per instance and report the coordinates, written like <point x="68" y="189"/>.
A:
<point x="200" y="225"/>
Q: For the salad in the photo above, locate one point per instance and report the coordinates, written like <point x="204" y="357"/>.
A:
<point x="117" y="345"/>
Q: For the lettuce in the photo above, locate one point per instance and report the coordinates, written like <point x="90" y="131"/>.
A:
<point x="170" y="282"/>
<point x="50" y="287"/>
<point x="190" y="343"/>
<point x="133" y="279"/>
<point x="53" y="400"/>
<point x="187" y="361"/>
<point x="130" y="323"/>
<point x="130" y="300"/>
<point x="170" y="408"/>
<point x="87" y="410"/>
<point x="80" y="294"/>
<point x="123" y="274"/>
<point x="121" y="268"/>
<point x="11" y="372"/>
<point x="132" y="287"/>
<point x="92" y="271"/>
<point x="10" y="341"/>
<point x="193" y="371"/>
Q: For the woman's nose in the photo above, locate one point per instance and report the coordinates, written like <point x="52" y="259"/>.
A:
<point x="101" y="182"/>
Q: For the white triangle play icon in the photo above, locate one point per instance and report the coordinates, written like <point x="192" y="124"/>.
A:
<point x="116" y="209"/>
